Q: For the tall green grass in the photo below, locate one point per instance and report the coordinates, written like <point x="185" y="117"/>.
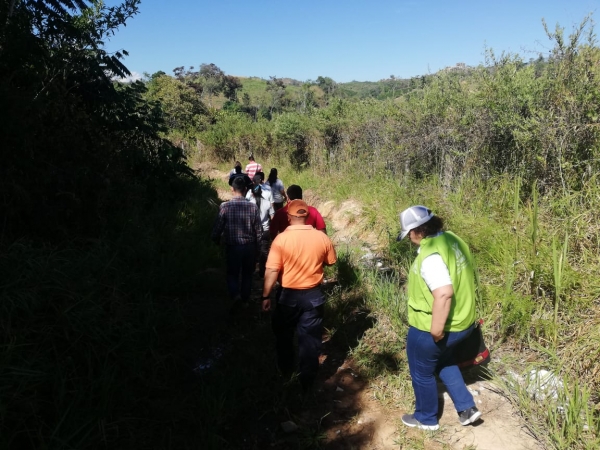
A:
<point x="536" y="254"/>
<point x="538" y="291"/>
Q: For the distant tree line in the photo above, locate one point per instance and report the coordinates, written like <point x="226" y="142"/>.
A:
<point x="537" y="118"/>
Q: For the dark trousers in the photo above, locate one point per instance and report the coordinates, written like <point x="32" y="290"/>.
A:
<point x="240" y="262"/>
<point x="265" y="246"/>
<point x="298" y="313"/>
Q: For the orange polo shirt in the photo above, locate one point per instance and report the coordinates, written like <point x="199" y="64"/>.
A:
<point x="299" y="254"/>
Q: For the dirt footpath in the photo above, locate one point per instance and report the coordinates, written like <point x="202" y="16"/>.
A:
<point x="500" y="428"/>
<point x="358" y="421"/>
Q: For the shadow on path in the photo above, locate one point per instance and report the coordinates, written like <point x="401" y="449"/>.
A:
<point x="242" y="399"/>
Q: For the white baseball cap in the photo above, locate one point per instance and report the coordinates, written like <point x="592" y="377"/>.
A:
<point x="412" y="217"/>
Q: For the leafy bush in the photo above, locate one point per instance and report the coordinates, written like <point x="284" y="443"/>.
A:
<point x="101" y="217"/>
<point x="235" y="136"/>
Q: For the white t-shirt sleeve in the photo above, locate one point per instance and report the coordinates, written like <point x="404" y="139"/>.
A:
<point x="435" y="272"/>
<point x="271" y="209"/>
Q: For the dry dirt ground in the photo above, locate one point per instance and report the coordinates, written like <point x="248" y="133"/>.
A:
<point x="378" y="428"/>
<point x="344" y="406"/>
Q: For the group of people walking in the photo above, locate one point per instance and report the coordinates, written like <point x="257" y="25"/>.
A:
<point x="264" y="222"/>
<point x="267" y="224"/>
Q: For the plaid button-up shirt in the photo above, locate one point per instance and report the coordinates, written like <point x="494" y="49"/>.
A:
<point x="239" y="221"/>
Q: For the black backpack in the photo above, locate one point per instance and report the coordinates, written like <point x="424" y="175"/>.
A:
<point x="247" y="180"/>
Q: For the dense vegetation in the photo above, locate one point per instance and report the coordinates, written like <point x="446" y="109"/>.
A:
<point x="105" y="226"/>
<point x="536" y="120"/>
<point x="100" y="220"/>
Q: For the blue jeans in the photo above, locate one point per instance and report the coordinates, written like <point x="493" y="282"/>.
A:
<point x="241" y="260"/>
<point x="426" y="359"/>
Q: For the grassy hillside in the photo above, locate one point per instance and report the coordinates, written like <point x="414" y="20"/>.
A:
<point x="390" y="88"/>
<point x="256" y="88"/>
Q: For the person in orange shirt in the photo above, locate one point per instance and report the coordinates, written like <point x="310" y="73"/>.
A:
<point x="296" y="259"/>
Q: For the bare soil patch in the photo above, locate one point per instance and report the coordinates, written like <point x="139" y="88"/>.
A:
<point x="359" y="421"/>
<point x="208" y="171"/>
<point x="500" y="427"/>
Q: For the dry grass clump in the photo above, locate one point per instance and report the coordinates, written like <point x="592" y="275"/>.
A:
<point x="581" y="352"/>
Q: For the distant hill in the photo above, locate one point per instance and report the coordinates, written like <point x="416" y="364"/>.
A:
<point x="388" y="88"/>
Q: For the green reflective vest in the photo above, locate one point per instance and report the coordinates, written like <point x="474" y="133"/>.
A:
<point x="457" y="257"/>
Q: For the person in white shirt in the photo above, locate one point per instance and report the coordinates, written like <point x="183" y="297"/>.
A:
<point x="277" y="189"/>
<point x="264" y="200"/>
<point x="441" y="314"/>
<point x="237" y="168"/>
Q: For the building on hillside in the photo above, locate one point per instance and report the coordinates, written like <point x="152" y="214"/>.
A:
<point x="457" y="67"/>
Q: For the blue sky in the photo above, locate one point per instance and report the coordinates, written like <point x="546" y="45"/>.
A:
<point x="363" y="40"/>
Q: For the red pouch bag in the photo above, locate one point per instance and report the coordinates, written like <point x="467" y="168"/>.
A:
<point x="472" y="351"/>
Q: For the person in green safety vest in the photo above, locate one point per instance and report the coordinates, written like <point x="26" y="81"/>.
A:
<point x="441" y="314"/>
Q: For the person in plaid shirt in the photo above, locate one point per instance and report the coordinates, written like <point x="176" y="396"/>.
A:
<point x="239" y="222"/>
<point x="252" y="167"/>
